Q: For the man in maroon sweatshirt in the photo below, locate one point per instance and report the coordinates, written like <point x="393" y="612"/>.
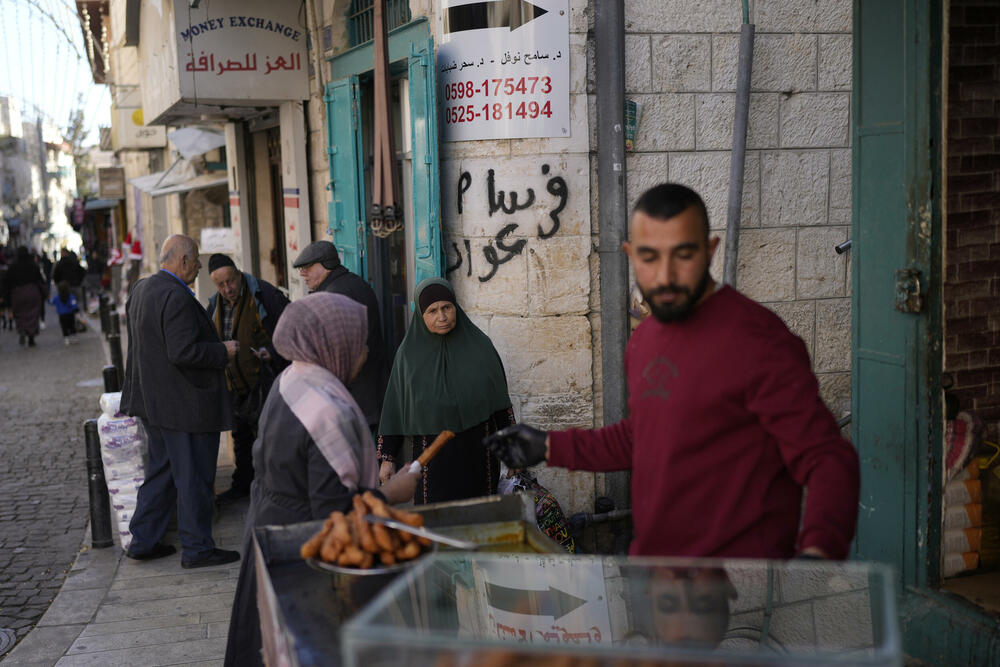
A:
<point x="725" y="426"/>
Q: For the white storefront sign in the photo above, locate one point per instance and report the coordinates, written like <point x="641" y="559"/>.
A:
<point x="551" y="601"/>
<point x="224" y="53"/>
<point x="503" y="69"/>
<point x="132" y="133"/>
<point x="252" y="49"/>
<point x="218" y="239"/>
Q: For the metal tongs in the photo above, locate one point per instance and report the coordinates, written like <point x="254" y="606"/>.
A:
<point x="422" y="532"/>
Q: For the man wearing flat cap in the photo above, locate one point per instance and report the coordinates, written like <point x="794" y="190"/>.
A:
<point x="320" y="267"/>
<point x="246" y="309"/>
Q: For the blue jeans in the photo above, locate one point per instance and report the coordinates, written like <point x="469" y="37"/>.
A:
<point x="181" y="472"/>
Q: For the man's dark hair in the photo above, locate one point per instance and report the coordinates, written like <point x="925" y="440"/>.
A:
<point x="666" y="200"/>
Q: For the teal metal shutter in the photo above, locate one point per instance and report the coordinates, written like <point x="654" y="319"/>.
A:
<point x="428" y="261"/>
<point x="346" y="215"/>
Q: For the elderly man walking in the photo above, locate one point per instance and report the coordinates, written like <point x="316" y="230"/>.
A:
<point x="320" y="267"/>
<point x="174" y="382"/>
<point x="246" y="310"/>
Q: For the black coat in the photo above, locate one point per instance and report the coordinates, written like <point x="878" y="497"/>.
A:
<point x="368" y="389"/>
<point x="174" y="376"/>
<point x="68" y="268"/>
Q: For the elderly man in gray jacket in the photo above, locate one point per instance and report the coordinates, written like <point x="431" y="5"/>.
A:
<point x="174" y="383"/>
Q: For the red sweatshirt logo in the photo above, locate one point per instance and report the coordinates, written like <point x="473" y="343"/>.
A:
<point x="658" y="374"/>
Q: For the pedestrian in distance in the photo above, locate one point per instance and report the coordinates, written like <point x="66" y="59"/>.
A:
<point x="45" y="266"/>
<point x="726" y="426"/>
<point x="66" y="308"/>
<point x="6" y="319"/>
<point x="68" y="268"/>
<point x="320" y="267"/>
<point x="26" y="296"/>
<point x="245" y="309"/>
<point x="175" y="384"/>
<point x="446" y="375"/>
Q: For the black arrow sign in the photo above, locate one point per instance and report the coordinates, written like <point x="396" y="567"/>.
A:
<point x="553" y="602"/>
<point x="510" y="14"/>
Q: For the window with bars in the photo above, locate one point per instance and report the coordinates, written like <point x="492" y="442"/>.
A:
<point x="361" y="16"/>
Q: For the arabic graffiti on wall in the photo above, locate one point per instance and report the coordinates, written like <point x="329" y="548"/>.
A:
<point x="503" y="247"/>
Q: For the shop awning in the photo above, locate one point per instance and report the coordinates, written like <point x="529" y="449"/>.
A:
<point x="100" y="204"/>
<point x="209" y="180"/>
<point x="181" y="177"/>
<point x="194" y="141"/>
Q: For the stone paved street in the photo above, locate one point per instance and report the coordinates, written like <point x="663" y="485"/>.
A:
<point x="43" y="481"/>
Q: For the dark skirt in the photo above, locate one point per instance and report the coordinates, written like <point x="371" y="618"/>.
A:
<point x="463" y="468"/>
<point x="27" y="303"/>
<point x="244" y="643"/>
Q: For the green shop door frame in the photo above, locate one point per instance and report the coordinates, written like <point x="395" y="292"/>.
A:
<point x="897" y="322"/>
<point x="412" y="44"/>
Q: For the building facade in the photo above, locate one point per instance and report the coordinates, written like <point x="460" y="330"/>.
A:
<point x="514" y="220"/>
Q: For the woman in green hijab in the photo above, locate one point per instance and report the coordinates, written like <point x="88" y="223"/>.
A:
<point x="447" y="375"/>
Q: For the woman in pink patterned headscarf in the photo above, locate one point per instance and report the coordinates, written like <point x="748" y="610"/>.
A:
<point x="314" y="451"/>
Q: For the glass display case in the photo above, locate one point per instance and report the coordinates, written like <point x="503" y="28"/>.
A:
<point x="489" y="610"/>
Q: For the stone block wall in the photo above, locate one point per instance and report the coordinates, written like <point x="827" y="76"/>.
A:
<point x="972" y="221"/>
<point x="535" y="304"/>
<point x="681" y="65"/>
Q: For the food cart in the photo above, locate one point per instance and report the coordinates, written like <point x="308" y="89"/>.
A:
<point x="302" y="609"/>
<point x="523" y="601"/>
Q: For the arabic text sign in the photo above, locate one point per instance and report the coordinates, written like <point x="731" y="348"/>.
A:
<point x="218" y="239"/>
<point x="560" y="601"/>
<point x="248" y="50"/>
<point x="503" y="69"/>
<point x="131" y="134"/>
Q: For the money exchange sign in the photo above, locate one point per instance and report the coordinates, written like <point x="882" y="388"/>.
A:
<point x="503" y="69"/>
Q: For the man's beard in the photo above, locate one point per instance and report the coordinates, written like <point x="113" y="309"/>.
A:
<point x="680" y="309"/>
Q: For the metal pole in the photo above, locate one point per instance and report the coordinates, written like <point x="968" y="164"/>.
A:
<point x="115" y="350"/>
<point x="112" y="382"/>
<point x="609" y="33"/>
<point x="103" y="308"/>
<point x="738" y="156"/>
<point x="100" y="507"/>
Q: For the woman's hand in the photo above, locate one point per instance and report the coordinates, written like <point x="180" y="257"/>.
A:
<point x="385" y="471"/>
<point x="400" y="487"/>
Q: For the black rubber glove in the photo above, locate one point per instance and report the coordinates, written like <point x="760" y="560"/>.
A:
<point x="518" y="446"/>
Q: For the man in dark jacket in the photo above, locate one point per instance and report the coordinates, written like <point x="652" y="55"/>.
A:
<point x="247" y="313"/>
<point x="320" y="267"/>
<point x="174" y="383"/>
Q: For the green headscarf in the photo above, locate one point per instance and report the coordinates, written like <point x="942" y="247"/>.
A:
<point x="453" y="382"/>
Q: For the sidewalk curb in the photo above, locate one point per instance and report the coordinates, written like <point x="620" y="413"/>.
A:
<point x="85" y="587"/>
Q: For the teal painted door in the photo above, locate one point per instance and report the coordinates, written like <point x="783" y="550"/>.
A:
<point x="428" y="259"/>
<point x="346" y="215"/>
<point x="893" y="230"/>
